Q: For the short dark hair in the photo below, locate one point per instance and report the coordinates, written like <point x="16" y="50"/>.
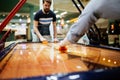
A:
<point x="49" y="1"/>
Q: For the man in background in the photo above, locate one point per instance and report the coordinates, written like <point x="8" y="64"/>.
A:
<point x="42" y="21"/>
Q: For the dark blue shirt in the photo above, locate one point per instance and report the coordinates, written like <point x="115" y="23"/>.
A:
<point x="44" y="21"/>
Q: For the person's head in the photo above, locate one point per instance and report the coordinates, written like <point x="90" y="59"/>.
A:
<point x="46" y="5"/>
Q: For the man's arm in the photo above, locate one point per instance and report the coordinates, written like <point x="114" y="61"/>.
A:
<point x="78" y="29"/>
<point x="37" y="32"/>
<point x="55" y="29"/>
<point x="93" y="11"/>
<point x="55" y="32"/>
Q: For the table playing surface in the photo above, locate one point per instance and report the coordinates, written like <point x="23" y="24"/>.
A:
<point x="37" y="59"/>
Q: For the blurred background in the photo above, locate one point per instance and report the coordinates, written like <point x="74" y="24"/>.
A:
<point x="66" y="13"/>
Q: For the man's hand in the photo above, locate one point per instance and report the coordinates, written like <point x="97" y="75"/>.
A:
<point x="55" y="40"/>
<point x="64" y="42"/>
<point x="63" y="45"/>
<point x="42" y="39"/>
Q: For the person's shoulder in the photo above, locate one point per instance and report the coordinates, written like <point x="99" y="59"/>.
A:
<point x="40" y="11"/>
<point x="51" y="12"/>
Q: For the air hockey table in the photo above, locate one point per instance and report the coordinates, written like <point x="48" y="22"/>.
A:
<point x="28" y="60"/>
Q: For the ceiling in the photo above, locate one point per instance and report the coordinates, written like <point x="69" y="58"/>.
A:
<point x="59" y="5"/>
<point x="64" y="5"/>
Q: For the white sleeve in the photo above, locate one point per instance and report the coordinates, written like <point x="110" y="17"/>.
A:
<point x="86" y="19"/>
<point x="93" y="11"/>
